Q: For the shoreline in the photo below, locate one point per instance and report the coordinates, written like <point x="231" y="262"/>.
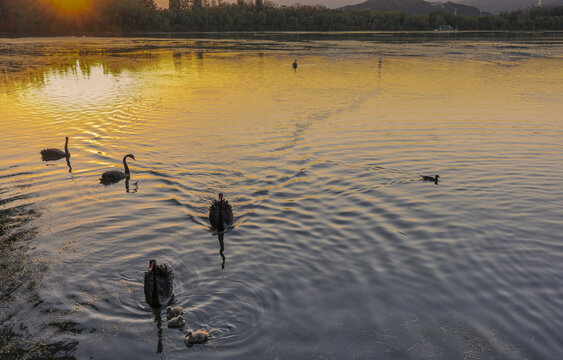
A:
<point x="257" y="34"/>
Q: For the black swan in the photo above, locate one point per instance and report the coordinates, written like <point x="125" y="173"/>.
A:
<point x="158" y="284"/>
<point x="176" y="322"/>
<point x="430" y="178"/>
<point x="113" y="176"/>
<point x="198" y="337"/>
<point x="172" y="312"/>
<point x="295" y="65"/>
<point x="220" y="213"/>
<point x="55" y="154"/>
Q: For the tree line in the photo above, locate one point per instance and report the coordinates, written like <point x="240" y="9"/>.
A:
<point x="38" y="17"/>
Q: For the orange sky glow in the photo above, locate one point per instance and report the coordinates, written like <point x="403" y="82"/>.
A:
<point x="70" y="6"/>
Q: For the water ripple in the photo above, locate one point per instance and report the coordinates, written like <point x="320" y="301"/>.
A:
<point x="338" y="248"/>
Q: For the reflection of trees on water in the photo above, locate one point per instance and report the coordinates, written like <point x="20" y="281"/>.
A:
<point x="177" y="61"/>
<point x="21" y="276"/>
<point x="21" y="65"/>
<point x="379" y="68"/>
<point x="24" y="67"/>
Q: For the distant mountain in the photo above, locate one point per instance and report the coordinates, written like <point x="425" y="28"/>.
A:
<point x="408" y="6"/>
<point x="459" y="9"/>
<point x="497" y="6"/>
<point x="415" y="7"/>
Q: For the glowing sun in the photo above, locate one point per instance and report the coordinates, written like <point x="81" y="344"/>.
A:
<point x="70" y="7"/>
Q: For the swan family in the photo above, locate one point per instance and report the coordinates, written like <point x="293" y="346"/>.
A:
<point x="159" y="278"/>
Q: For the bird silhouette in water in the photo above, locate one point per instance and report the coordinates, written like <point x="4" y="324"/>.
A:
<point x="113" y="176"/>
<point x="220" y="213"/>
<point x="295" y="65"/>
<point x="434" y="179"/>
<point x="159" y="284"/>
<point x="55" y="154"/>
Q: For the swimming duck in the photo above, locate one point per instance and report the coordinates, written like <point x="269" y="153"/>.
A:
<point x="430" y="178"/>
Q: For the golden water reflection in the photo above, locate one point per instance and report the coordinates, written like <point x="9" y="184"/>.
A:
<point x="108" y="94"/>
<point x="323" y="168"/>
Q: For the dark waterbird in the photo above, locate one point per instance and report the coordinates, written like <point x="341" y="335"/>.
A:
<point x="55" y="154"/>
<point x="434" y="179"/>
<point x="220" y="213"/>
<point x="158" y="284"/>
<point x="295" y="64"/>
<point x="113" y="176"/>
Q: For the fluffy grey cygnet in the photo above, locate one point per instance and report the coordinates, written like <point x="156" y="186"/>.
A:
<point x="178" y="321"/>
<point x="172" y="312"/>
<point x="199" y="337"/>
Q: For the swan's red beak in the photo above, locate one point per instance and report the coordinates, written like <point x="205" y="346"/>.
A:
<point x="150" y="266"/>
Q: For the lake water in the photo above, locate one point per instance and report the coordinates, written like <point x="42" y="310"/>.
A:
<point x="338" y="250"/>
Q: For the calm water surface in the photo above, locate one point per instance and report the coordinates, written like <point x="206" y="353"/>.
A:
<point x="338" y="250"/>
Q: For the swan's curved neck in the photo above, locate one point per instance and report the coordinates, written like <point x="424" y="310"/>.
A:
<point x="125" y="165"/>
<point x="155" y="299"/>
<point x="66" y="147"/>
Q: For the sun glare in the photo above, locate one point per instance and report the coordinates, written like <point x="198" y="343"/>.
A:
<point x="70" y="7"/>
